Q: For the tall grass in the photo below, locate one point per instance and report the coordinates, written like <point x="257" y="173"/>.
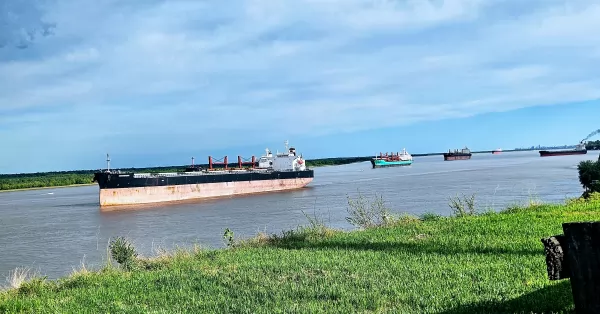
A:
<point x="17" y="277"/>
<point x="479" y="263"/>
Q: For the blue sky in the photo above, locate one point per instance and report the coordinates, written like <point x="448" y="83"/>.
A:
<point x="156" y="82"/>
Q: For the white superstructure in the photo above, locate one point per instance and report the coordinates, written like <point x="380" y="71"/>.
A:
<point x="288" y="160"/>
<point x="405" y="156"/>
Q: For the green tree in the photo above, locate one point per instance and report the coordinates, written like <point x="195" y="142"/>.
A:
<point x="592" y="145"/>
<point x="589" y="176"/>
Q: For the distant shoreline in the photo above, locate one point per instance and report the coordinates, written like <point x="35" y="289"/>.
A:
<point x="319" y="164"/>
<point x="47" y="187"/>
<point x="60" y="179"/>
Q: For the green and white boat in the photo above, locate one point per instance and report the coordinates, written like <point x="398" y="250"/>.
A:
<point x="392" y="160"/>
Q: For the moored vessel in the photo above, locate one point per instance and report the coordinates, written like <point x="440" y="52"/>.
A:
<point x="272" y="172"/>
<point x="579" y="149"/>
<point x="392" y="160"/>
<point x="497" y="151"/>
<point x="462" y="154"/>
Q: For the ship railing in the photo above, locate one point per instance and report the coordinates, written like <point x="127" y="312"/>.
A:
<point x="203" y="173"/>
<point x="142" y="175"/>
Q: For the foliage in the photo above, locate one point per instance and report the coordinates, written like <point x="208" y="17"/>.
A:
<point x="590" y="198"/>
<point x="335" y="161"/>
<point x="491" y="263"/>
<point x="314" y="231"/>
<point x="124" y="253"/>
<point x="13" y="182"/>
<point x="63" y="178"/>
<point x="430" y="216"/>
<point x="228" y="237"/>
<point x="463" y="206"/>
<point x="593" y="145"/>
<point x="589" y="176"/>
<point x="367" y="214"/>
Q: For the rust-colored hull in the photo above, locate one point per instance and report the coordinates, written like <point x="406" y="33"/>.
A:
<point x="156" y="194"/>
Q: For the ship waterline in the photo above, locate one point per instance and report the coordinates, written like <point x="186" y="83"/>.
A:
<point x="579" y="149"/>
<point x="383" y="163"/>
<point x="171" y="193"/>
<point x="458" y="154"/>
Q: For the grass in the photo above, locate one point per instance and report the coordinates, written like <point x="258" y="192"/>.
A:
<point x="468" y="263"/>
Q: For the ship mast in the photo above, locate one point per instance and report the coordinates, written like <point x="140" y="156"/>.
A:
<point x="107" y="162"/>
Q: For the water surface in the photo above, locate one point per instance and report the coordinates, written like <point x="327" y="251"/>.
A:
<point x="53" y="230"/>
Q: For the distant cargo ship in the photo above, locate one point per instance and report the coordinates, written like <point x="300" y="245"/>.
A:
<point x="392" y="160"/>
<point x="462" y="154"/>
<point x="497" y="151"/>
<point x="580" y="149"/>
<point x="274" y="172"/>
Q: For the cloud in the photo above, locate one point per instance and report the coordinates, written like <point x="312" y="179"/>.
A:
<point x="21" y="23"/>
<point x="158" y="71"/>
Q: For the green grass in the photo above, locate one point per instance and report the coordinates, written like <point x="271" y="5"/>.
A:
<point x="486" y="263"/>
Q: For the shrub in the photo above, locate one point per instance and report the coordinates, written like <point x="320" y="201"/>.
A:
<point x="589" y="175"/>
<point x="463" y="206"/>
<point x="228" y="237"/>
<point x="124" y="253"/>
<point x="430" y="216"/>
<point x="367" y="214"/>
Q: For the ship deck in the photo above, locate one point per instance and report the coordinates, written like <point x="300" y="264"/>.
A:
<point x="193" y="173"/>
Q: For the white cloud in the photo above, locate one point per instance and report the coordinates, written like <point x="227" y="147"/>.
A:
<point x="206" y="67"/>
<point x="83" y="55"/>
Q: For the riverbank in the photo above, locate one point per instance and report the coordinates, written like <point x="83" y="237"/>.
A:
<point x="481" y="263"/>
<point x="47" y="187"/>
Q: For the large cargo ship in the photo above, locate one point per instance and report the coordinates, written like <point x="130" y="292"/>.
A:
<point x="580" y="149"/>
<point x="272" y="172"/>
<point x="462" y="154"/>
<point x="392" y="160"/>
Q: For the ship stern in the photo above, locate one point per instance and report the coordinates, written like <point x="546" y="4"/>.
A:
<point x="373" y="163"/>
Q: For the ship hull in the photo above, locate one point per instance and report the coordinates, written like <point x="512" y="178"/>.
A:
<point x="384" y="164"/>
<point x="450" y="157"/>
<point x="173" y="193"/>
<point x="127" y="189"/>
<point x="547" y="153"/>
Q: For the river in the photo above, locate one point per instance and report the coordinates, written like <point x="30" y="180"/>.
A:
<point x="52" y="231"/>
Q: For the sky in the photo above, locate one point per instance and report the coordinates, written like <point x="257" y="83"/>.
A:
<point x="156" y="82"/>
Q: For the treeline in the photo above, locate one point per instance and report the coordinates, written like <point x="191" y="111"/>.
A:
<point x="64" y="178"/>
<point x="335" y="161"/>
<point x="40" y="180"/>
<point x="593" y="145"/>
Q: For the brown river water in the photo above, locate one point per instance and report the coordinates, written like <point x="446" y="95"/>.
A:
<point x="52" y="231"/>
